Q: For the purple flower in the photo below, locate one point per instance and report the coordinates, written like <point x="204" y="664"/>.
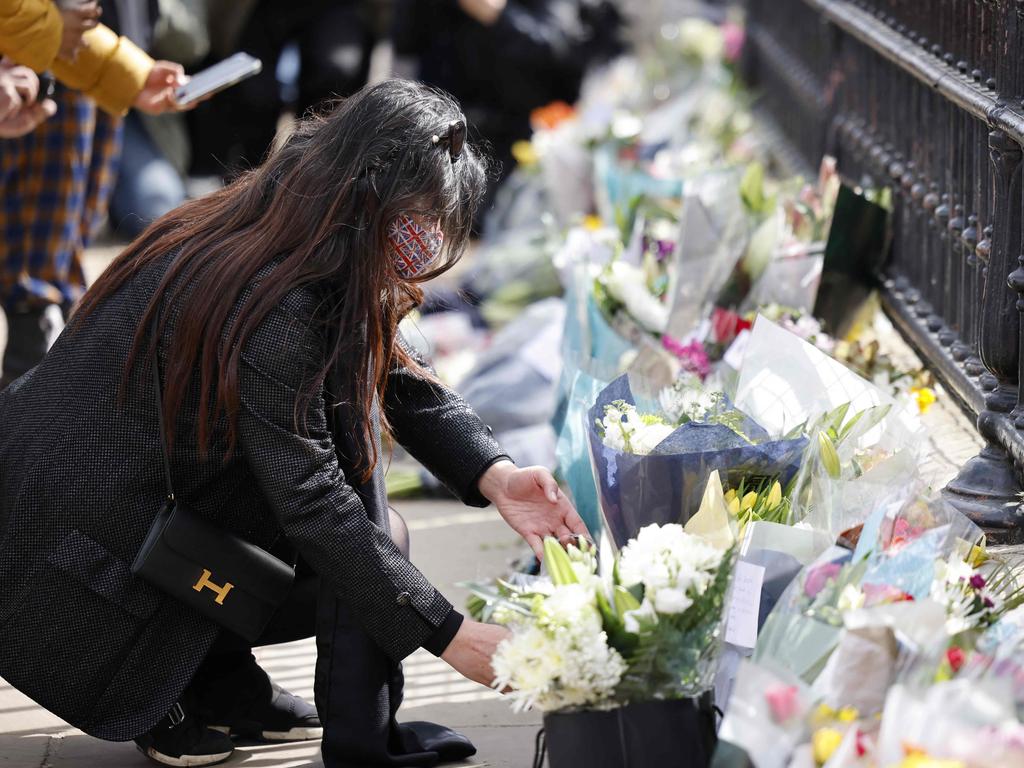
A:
<point x="977" y="581"/>
<point x="987" y="602"/>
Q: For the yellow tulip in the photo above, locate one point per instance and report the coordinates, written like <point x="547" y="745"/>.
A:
<point x="749" y="501"/>
<point x="824" y="743"/>
<point x="734" y="507"/>
<point x="775" y="495"/>
<point x="730" y="495"/>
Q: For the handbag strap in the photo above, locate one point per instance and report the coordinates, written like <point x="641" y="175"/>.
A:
<point x="158" y="391"/>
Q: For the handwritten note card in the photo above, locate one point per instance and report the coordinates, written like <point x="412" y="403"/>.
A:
<point x="741" y="625"/>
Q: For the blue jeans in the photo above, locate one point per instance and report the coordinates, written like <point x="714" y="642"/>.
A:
<point x="148" y="186"/>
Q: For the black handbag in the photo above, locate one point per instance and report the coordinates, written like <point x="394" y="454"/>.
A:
<point x="231" y="581"/>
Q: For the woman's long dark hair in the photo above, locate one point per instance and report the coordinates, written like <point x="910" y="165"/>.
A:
<point x="319" y="206"/>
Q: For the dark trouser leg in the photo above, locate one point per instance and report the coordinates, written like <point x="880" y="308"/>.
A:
<point x="358" y="688"/>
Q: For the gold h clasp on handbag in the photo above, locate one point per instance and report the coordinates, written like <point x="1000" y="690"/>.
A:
<point x="205" y="583"/>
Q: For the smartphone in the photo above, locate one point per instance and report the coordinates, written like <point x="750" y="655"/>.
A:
<point x="47" y="86"/>
<point x="221" y="75"/>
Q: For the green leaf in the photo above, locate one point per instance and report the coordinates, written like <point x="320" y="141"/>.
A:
<point x="624" y="600"/>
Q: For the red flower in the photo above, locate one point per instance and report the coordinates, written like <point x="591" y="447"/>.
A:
<point x="726" y="325"/>
<point x="955" y="656"/>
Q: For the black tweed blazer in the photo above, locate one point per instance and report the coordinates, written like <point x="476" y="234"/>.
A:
<point x="81" y="481"/>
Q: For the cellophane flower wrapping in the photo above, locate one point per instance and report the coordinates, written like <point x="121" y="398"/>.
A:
<point x="666" y="484"/>
<point x="802" y="631"/>
<point x="592" y="352"/>
<point x="787" y="384"/>
<point x="766" y="714"/>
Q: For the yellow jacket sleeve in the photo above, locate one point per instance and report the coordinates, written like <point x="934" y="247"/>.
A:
<point x="112" y="70"/>
<point x="30" y="32"/>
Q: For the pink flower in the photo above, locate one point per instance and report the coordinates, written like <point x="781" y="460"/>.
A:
<point x="977" y="581"/>
<point x="693" y="356"/>
<point x="733" y="35"/>
<point x="819" y="577"/>
<point x="783" y="701"/>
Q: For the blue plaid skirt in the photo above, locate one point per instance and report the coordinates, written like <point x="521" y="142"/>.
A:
<point x="54" y="186"/>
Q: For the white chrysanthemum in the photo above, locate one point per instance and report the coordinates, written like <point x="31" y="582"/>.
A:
<point x="561" y="663"/>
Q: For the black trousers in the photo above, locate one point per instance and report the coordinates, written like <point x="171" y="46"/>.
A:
<point x="358" y="688"/>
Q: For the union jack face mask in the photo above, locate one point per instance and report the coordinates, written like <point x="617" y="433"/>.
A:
<point x="413" y="247"/>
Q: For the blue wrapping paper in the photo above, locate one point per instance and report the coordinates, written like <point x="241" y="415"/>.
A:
<point x="667" y="485"/>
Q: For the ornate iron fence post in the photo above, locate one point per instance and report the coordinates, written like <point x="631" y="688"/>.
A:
<point x="988" y="486"/>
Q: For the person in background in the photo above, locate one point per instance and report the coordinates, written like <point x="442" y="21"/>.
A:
<point x="55" y="180"/>
<point x="156" y="149"/>
<point x="504" y="58"/>
<point x="334" y="39"/>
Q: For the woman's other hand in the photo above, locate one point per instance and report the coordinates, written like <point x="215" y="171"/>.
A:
<point x="78" y="20"/>
<point x="472" y="648"/>
<point x="531" y="503"/>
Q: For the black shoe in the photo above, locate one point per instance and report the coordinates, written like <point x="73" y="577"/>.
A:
<point x="286" y="717"/>
<point x="181" y="740"/>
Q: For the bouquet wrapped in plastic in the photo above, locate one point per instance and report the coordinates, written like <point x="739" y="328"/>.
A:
<point x="653" y="469"/>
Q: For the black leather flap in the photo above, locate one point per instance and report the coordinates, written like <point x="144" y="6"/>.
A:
<point x="228" y="558"/>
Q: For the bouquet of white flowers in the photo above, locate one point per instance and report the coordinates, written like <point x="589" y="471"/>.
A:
<point x="586" y="646"/>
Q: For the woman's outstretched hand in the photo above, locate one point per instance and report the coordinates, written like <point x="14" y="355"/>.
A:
<point x="531" y="503"/>
<point x="472" y="648"/>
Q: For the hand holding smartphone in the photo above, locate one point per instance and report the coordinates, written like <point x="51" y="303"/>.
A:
<point x="214" y="79"/>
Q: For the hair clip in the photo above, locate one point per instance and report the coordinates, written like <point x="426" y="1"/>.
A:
<point x="454" y="136"/>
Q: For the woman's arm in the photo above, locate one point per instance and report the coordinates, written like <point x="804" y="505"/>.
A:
<point x="317" y="509"/>
<point x="440" y="430"/>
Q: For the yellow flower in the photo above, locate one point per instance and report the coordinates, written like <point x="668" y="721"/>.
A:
<point x="847" y="714"/>
<point x="775" y="495"/>
<point x="730" y="495"/>
<point x="734" y="506"/>
<point x="749" y="500"/>
<point x="592" y="223"/>
<point x="824" y="743"/>
<point x="977" y="555"/>
<point x="925" y="397"/>
<point x="524" y="153"/>
<point x="921" y="760"/>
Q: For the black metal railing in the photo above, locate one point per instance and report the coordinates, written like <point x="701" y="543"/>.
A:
<point x="925" y="96"/>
